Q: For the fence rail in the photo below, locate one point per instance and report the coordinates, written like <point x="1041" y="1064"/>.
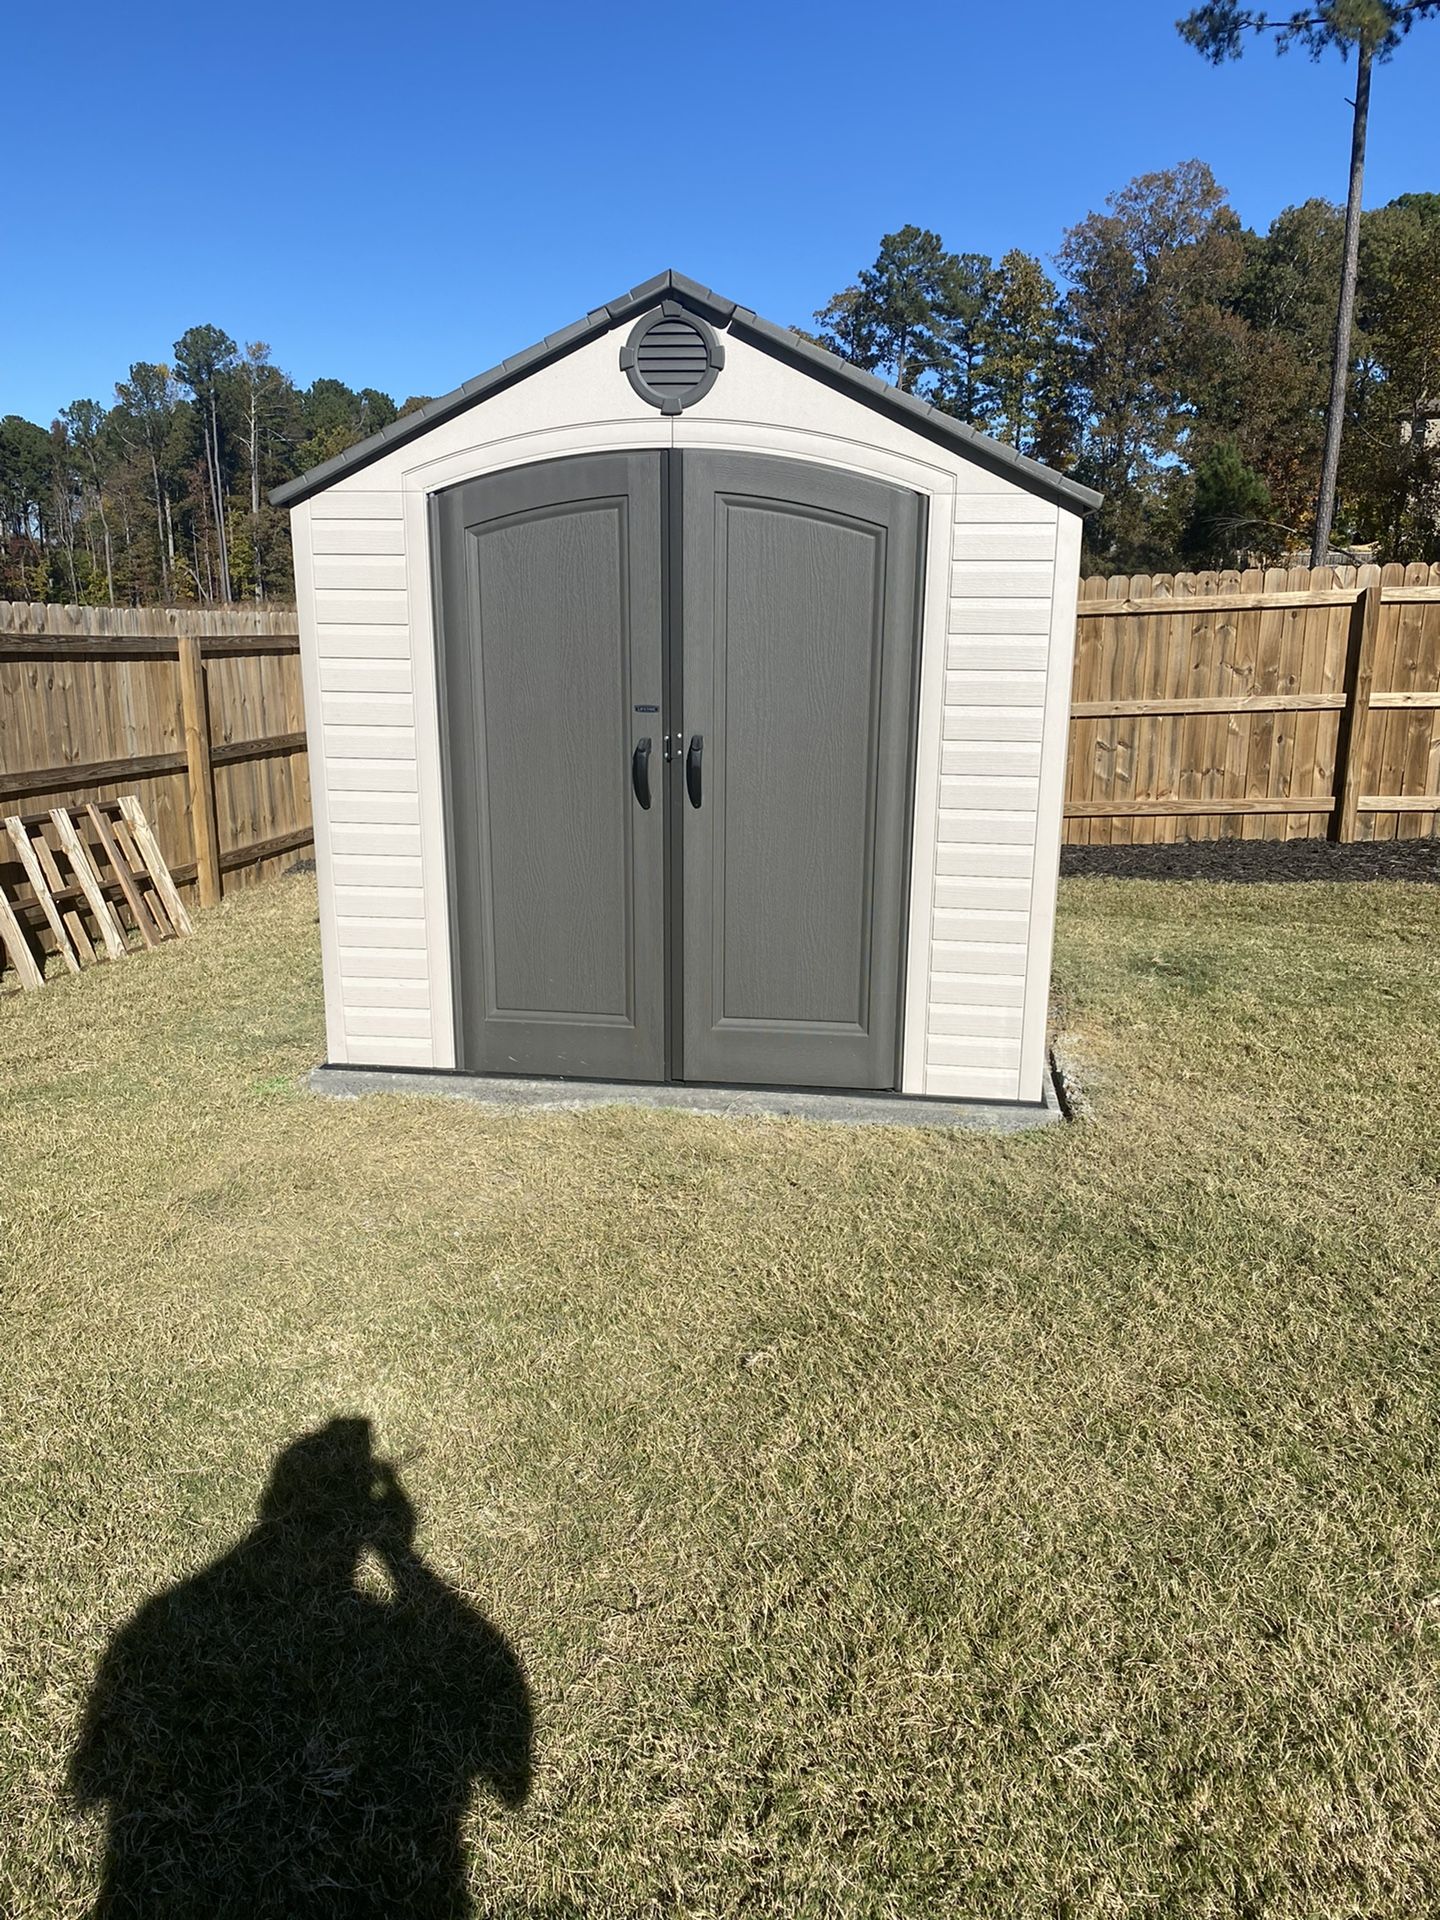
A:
<point x="199" y="714"/>
<point x="1271" y="704"/>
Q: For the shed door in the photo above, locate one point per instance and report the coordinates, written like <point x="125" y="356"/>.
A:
<point x="799" y="611"/>
<point x="550" y="621"/>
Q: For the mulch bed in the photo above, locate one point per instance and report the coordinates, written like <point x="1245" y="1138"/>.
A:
<point x="1250" y="861"/>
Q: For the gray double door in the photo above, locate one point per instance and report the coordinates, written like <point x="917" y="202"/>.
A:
<point x="677" y="708"/>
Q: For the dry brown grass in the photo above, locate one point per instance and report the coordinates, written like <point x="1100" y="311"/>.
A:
<point x="889" y="1523"/>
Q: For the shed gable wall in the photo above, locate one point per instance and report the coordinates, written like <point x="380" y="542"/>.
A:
<point x="994" y="687"/>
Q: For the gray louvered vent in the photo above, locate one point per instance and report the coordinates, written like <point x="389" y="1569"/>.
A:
<point x="673" y="357"/>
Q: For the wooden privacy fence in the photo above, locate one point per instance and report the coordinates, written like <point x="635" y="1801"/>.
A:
<point x="199" y="714"/>
<point x="1274" y="704"/>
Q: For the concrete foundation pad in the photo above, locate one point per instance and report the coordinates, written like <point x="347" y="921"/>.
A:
<point x="772" y="1103"/>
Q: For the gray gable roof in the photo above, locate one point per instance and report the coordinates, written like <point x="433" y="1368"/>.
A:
<point x="918" y="415"/>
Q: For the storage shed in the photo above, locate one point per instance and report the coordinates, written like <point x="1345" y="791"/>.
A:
<point x="685" y="705"/>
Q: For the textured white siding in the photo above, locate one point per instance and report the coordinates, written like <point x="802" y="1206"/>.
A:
<point x="994" y="686"/>
<point x="997" y="659"/>
<point x="362" y="709"/>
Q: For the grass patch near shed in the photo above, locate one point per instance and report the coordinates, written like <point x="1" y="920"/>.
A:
<point x="888" y="1522"/>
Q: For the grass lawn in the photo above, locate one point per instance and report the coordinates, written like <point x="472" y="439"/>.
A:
<point x="887" y="1523"/>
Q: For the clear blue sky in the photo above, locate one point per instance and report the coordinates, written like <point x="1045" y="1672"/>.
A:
<point x="400" y="195"/>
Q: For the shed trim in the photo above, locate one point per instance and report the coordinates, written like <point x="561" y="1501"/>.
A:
<point x="785" y="345"/>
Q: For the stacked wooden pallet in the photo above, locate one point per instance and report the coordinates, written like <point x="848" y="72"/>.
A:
<point x="91" y="884"/>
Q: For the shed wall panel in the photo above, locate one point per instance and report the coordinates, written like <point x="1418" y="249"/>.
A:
<point x="1014" y="508"/>
<point x="987" y="1022"/>
<point x="360" y="774"/>
<point x="352" y="642"/>
<point x="345" y="571"/>
<point x="369" y="707"/>
<point x="976" y="892"/>
<point x="376" y="991"/>
<point x="987" y="756"/>
<point x="949" y="987"/>
<point x="364" y="496"/>
<point x="366" y="676"/>
<point x="383" y="1050"/>
<point x="972" y="1083"/>
<point x="968" y="653"/>
<point x="356" y="536"/>
<point x="358" y="935"/>
<point x="374" y="838"/>
<point x="395" y="1023"/>
<point x="1005" y="540"/>
<point x="982" y="613"/>
<point x="377" y="966"/>
<point x="976" y="860"/>
<point x="377" y="811"/>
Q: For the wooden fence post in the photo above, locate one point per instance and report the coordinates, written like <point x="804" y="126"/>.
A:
<point x="1352" y="735"/>
<point x="200" y="774"/>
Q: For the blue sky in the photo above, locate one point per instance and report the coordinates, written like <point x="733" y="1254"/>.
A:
<point x="401" y="195"/>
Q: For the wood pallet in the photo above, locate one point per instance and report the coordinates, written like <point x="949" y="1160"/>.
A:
<point x="92" y="885"/>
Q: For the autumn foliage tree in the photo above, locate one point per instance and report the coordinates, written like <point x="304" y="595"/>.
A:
<point x="1181" y="366"/>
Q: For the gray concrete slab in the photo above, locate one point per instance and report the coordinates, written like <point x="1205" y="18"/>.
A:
<point x="773" y="1103"/>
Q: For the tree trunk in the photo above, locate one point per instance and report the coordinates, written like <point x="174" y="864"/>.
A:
<point x="209" y="507"/>
<point x="221" y="546"/>
<point x="255" y="483"/>
<point x="104" y="527"/>
<point x="126" y="536"/>
<point x="1340" y="370"/>
<point x="160" y="529"/>
<point x="254" y="454"/>
<point x="67" y="526"/>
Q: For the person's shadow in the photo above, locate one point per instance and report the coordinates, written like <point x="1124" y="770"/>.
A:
<point x="269" y="1738"/>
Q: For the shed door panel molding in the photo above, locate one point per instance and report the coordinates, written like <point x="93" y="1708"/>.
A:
<point x="549" y="594"/>
<point x="746" y="924"/>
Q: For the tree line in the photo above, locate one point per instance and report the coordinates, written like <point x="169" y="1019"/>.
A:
<point x="1177" y="361"/>
<point x="1180" y="364"/>
<point x="161" y="498"/>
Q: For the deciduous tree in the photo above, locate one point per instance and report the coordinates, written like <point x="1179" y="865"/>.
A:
<point x="1148" y="280"/>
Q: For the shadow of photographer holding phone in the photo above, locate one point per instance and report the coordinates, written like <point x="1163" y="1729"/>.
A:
<point x="272" y="1737"/>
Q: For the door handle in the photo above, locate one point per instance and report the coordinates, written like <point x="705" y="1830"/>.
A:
<point x="692" y="767"/>
<point x="640" y="771"/>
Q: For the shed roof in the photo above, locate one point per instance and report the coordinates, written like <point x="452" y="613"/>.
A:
<point x="919" y="415"/>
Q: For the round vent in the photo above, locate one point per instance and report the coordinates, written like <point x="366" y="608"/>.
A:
<point x="672" y="358"/>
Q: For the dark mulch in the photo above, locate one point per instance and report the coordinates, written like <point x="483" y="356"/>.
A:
<point x="1250" y="861"/>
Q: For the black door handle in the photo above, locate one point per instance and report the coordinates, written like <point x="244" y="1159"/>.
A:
<point x="640" y="771"/>
<point x="692" y="767"/>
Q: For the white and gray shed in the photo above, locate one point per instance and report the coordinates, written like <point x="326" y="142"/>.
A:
<point x="685" y="705"/>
